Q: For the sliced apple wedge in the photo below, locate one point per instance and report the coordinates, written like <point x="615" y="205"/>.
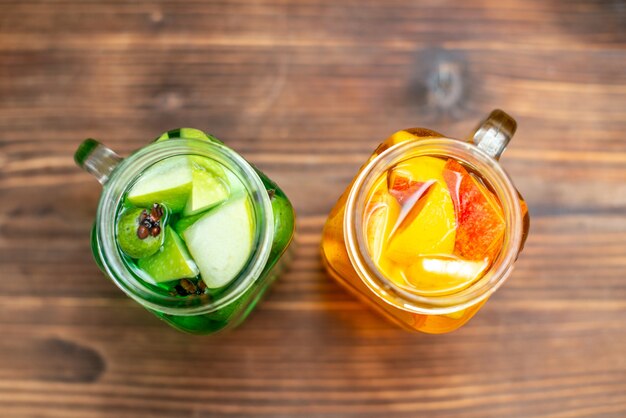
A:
<point x="171" y="262"/>
<point x="429" y="228"/>
<point x="402" y="187"/>
<point x="221" y="241"/>
<point x="409" y="205"/>
<point x="407" y="177"/>
<point x="167" y="182"/>
<point x="208" y="188"/>
<point x="480" y="219"/>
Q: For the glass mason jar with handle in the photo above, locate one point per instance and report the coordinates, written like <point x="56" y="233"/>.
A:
<point x="188" y="228"/>
<point x="430" y="227"/>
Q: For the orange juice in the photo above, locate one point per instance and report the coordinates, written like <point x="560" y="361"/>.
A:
<point x="428" y="229"/>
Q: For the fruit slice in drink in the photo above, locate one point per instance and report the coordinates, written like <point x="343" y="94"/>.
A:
<point x="221" y="241"/>
<point x="426" y="224"/>
<point x="480" y="220"/>
<point x="171" y="262"/>
<point x="234" y="186"/>
<point x="168" y="183"/>
<point x="208" y="186"/>
<point x="417" y="169"/>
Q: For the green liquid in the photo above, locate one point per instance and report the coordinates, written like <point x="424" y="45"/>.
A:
<point x="178" y="218"/>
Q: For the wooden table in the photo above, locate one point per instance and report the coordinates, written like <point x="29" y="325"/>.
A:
<point x="306" y="89"/>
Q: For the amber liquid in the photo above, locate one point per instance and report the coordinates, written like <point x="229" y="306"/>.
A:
<point x="339" y="266"/>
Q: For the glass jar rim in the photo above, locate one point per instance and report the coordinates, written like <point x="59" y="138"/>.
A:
<point x="395" y="295"/>
<point x="128" y="171"/>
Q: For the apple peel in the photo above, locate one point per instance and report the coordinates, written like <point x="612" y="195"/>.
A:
<point x="480" y="222"/>
<point x="401" y="188"/>
<point x="410" y="203"/>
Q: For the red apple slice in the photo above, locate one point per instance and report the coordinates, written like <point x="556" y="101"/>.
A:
<point x="402" y="187"/>
<point x="480" y="222"/>
<point x="410" y="202"/>
<point x="406" y="177"/>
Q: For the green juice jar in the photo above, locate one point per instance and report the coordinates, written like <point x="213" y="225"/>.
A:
<point x="188" y="228"/>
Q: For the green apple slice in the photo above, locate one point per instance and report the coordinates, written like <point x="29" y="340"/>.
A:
<point x="221" y="241"/>
<point x="168" y="182"/>
<point x="183" y="223"/>
<point x="208" y="188"/>
<point x="187" y="133"/>
<point x="208" y="165"/>
<point x="172" y="262"/>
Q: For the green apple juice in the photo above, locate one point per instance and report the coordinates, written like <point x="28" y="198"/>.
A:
<point x="197" y="240"/>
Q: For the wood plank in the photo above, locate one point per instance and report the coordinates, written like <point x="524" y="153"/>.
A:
<point x="306" y="90"/>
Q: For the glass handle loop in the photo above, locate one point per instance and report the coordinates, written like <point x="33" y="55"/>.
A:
<point x="494" y="133"/>
<point x="96" y="159"/>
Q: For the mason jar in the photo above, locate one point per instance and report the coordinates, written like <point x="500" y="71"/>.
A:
<point x="211" y="311"/>
<point x="345" y="253"/>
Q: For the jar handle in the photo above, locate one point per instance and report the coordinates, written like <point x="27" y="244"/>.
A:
<point x="96" y="159"/>
<point x="493" y="134"/>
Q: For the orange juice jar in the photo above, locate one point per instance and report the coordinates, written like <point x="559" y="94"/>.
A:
<point x="430" y="227"/>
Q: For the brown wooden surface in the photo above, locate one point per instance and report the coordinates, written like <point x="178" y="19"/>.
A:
<point x="306" y="89"/>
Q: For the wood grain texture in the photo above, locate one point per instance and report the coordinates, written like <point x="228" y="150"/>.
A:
<point x="306" y="89"/>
